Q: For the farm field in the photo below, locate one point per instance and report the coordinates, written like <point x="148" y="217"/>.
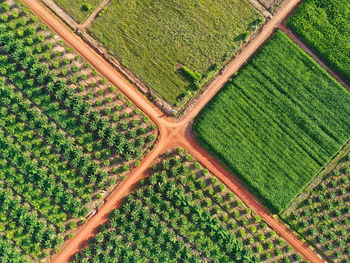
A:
<point x="182" y="213"/>
<point x="79" y="10"/>
<point x="276" y="126"/>
<point x="325" y="26"/>
<point x="155" y="39"/>
<point x="67" y="137"/>
<point x="323" y="218"/>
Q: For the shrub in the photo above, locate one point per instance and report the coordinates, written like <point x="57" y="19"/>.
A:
<point x="86" y="7"/>
<point x="194" y="76"/>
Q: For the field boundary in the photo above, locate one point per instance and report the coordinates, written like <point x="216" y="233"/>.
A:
<point x="315" y="56"/>
<point x="59" y="12"/>
<point x="201" y="92"/>
<point x="261" y="8"/>
<point x="318" y="178"/>
<point x="335" y="164"/>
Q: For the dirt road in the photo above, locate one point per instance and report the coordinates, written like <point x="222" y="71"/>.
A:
<point x="91" y="18"/>
<point x="171" y="134"/>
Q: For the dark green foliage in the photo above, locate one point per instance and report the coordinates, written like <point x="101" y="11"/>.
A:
<point x="86" y="7"/>
<point x="10" y="254"/>
<point x="325" y="25"/>
<point x="277" y="123"/>
<point x="49" y="177"/>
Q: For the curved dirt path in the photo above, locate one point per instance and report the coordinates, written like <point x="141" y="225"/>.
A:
<point x="170" y="133"/>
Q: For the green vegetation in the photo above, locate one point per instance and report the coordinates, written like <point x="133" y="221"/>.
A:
<point x="79" y="10"/>
<point x="323" y="217"/>
<point x="10" y="254"/>
<point x="182" y="213"/>
<point x="325" y="25"/>
<point x="271" y="5"/>
<point x="61" y="150"/>
<point x="277" y="123"/>
<point x="154" y="39"/>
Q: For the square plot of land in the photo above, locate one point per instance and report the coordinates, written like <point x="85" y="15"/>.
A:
<point x="154" y="38"/>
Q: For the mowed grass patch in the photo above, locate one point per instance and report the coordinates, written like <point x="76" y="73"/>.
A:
<point x="155" y="38"/>
<point x="76" y="9"/>
<point x="325" y="25"/>
<point x="278" y="122"/>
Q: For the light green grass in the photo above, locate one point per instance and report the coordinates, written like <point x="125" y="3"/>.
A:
<point x="73" y="8"/>
<point x="153" y="38"/>
<point x="278" y="122"/>
<point x="325" y="25"/>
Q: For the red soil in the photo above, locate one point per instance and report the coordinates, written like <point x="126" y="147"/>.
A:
<point x="171" y="134"/>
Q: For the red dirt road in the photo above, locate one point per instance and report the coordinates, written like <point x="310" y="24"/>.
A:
<point x="171" y="134"/>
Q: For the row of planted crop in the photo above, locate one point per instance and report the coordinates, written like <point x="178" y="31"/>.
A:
<point x="322" y="218"/>
<point x="280" y="124"/>
<point x="182" y="213"/>
<point x="27" y="68"/>
<point x="58" y="148"/>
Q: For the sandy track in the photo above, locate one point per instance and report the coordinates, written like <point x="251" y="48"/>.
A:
<point x="171" y="134"/>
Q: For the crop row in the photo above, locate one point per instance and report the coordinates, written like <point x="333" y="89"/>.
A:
<point x="28" y="60"/>
<point x="9" y="254"/>
<point x="182" y="213"/>
<point x="278" y="122"/>
<point x="324" y="25"/>
<point x="62" y="148"/>
<point x="323" y="217"/>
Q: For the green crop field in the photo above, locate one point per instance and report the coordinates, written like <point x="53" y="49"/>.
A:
<point x="182" y="213"/>
<point x="76" y="8"/>
<point x="154" y="39"/>
<point x="325" y="25"/>
<point x="277" y="122"/>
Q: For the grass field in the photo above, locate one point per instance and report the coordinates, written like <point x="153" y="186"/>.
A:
<point x="75" y="10"/>
<point x="182" y="213"/>
<point x="155" y="38"/>
<point x="325" y="25"/>
<point x="278" y="122"/>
